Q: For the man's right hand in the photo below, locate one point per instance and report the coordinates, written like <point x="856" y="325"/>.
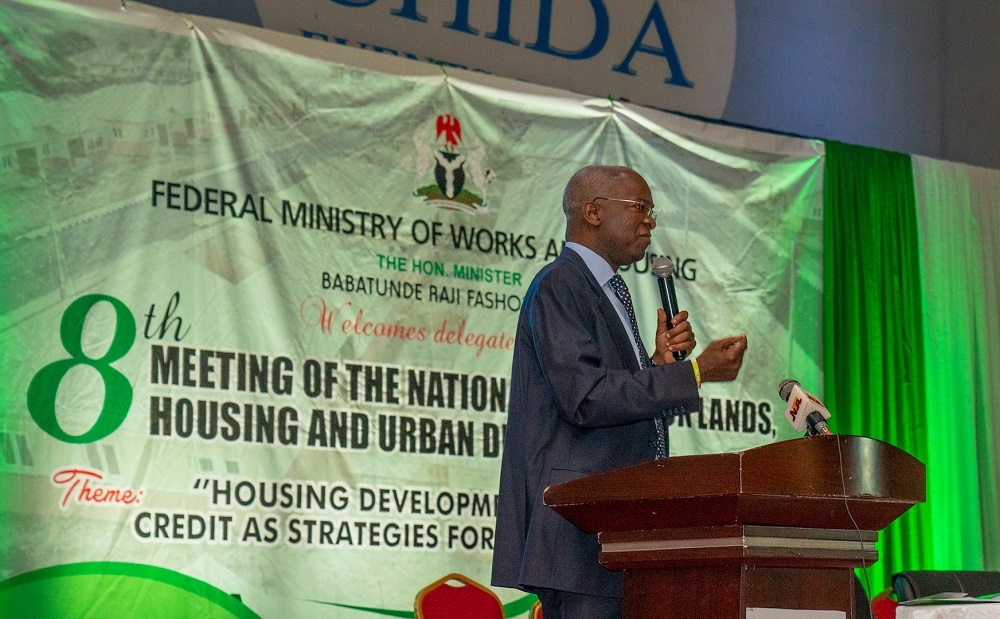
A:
<point x="722" y="359"/>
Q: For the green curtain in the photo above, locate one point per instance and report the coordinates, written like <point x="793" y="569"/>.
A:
<point x="911" y="336"/>
<point x="873" y="349"/>
<point x="960" y="261"/>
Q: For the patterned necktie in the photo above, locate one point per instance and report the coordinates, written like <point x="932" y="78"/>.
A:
<point x="621" y="291"/>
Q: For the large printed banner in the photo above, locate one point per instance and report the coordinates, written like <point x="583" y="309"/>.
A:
<point x="677" y="55"/>
<point x="258" y="305"/>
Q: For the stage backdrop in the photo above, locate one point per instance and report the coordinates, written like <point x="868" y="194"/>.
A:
<point x="259" y="301"/>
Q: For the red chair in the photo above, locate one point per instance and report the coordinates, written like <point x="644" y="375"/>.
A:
<point x="457" y="597"/>
<point x="883" y="606"/>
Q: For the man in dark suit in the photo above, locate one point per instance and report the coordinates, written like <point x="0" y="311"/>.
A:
<point x="585" y="395"/>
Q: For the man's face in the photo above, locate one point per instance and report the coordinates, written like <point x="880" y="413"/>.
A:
<point x="624" y="230"/>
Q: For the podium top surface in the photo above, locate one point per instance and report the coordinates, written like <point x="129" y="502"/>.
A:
<point x="833" y="482"/>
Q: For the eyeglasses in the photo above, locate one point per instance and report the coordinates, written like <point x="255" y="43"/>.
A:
<point x="646" y="208"/>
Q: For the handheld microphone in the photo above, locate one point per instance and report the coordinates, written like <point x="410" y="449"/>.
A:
<point x="663" y="269"/>
<point x="804" y="410"/>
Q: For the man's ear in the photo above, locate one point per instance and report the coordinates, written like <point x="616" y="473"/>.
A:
<point x="592" y="214"/>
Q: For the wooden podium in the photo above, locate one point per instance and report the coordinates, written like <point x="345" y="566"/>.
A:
<point x="779" y="526"/>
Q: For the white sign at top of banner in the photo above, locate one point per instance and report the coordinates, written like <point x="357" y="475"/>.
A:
<point x="670" y="55"/>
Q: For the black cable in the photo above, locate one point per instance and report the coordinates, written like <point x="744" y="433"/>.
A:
<point x="866" y="586"/>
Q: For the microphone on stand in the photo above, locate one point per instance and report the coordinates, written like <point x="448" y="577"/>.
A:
<point x="663" y="269"/>
<point x="804" y="410"/>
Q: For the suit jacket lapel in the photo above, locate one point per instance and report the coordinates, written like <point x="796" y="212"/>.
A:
<point x="611" y="319"/>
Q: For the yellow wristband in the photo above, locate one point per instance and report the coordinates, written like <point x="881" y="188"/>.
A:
<point x="697" y="372"/>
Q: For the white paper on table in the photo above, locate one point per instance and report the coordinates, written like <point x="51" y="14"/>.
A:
<point x="785" y="613"/>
